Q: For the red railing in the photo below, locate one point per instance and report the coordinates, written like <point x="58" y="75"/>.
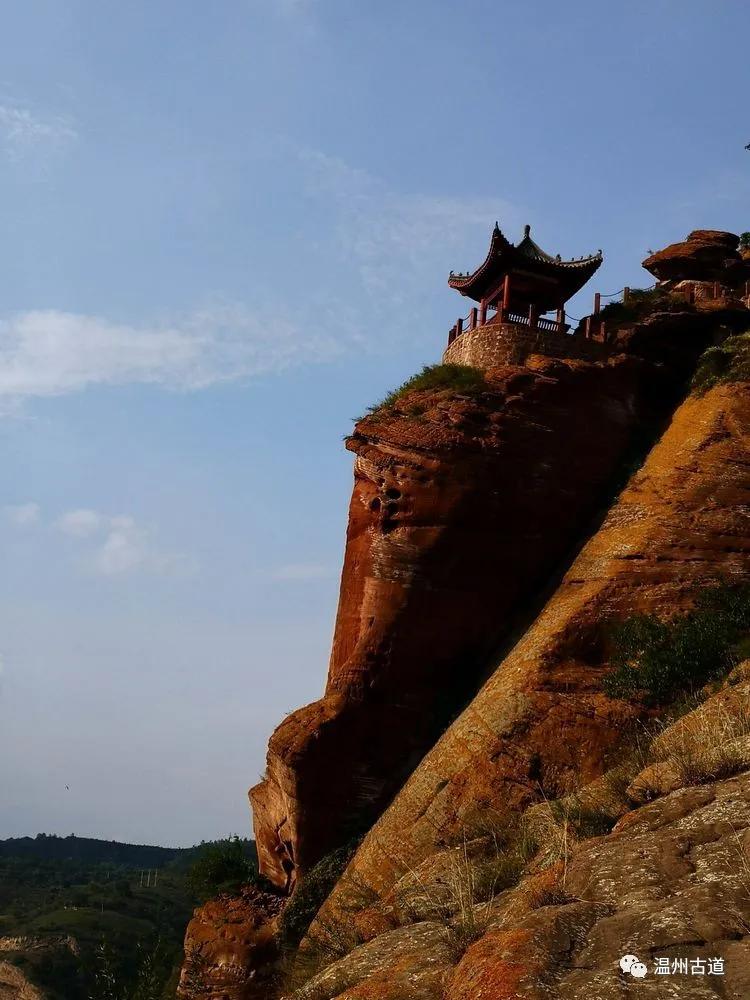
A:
<point x="530" y="320"/>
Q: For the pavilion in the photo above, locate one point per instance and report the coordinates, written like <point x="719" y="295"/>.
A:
<point x="521" y="282"/>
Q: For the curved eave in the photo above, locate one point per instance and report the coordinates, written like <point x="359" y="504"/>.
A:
<point x="571" y="275"/>
<point x="499" y="247"/>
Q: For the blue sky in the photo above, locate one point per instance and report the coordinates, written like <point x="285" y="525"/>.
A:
<point x="227" y="230"/>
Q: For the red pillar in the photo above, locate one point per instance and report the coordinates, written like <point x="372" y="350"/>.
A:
<point x="533" y="315"/>
<point x="483" y="312"/>
<point x="473" y="318"/>
<point x="597" y="303"/>
<point x="625" y="294"/>
<point x="459" y="326"/>
<point x="506" y="294"/>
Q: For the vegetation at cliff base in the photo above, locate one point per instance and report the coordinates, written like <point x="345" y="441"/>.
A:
<point x="745" y="241"/>
<point x="729" y="362"/>
<point x="223" y="866"/>
<point x="460" y="378"/>
<point x="110" y="917"/>
<point x="310" y="894"/>
<point x="660" y="660"/>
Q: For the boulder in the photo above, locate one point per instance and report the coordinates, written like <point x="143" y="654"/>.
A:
<point x="230" y="948"/>
<point x="706" y="255"/>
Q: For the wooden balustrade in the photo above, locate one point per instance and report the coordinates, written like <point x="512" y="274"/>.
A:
<point x="479" y="316"/>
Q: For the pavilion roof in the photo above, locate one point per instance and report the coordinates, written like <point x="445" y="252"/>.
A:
<point x="527" y="257"/>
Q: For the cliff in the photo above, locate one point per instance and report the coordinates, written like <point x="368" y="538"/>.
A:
<point x="489" y="554"/>
<point x="463" y="506"/>
<point x="542" y="724"/>
<point x="667" y="887"/>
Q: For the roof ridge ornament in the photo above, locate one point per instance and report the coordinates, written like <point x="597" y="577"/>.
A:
<point x="527" y="231"/>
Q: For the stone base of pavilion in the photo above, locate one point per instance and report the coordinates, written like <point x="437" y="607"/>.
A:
<point x="503" y="343"/>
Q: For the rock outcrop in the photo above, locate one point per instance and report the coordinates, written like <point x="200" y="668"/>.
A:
<point x="706" y="255"/>
<point x="670" y="885"/>
<point x="463" y="506"/>
<point x="230" y="948"/>
<point x="541" y="724"/>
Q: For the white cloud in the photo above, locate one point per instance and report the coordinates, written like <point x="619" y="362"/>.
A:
<point x="22" y="514"/>
<point x="25" y="132"/>
<point x="302" y="571"/>
<point x="80" y="523"/>
<point x="398" y="246"/>
<point x="121" y="545"/>
<point x="401" y="241"/>
<point x="51" y="353"/>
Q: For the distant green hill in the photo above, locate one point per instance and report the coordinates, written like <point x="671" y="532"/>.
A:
<point x="49" y="847"/>
<point x="126" y="924"/>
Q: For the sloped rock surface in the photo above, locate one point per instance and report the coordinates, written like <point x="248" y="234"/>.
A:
<point x="541" y="721"/>
<point x="462" y="507"/>
<point x="409" y="962"/>
<point x="670" y="882"/>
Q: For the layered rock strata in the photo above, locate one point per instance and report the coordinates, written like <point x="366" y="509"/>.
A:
<point x="463" y="505"/>
<point x="670" y="885"/>
<point x="706" y="255"/>
<point x="541" y="723"/>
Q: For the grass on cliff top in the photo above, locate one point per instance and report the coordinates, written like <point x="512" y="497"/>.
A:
<point x="660" y="660"/>
<point x="459" y="378"/>
<point x="729" y="362"/>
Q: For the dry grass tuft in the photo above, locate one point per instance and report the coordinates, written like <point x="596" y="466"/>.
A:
<point x="709" y="745"/>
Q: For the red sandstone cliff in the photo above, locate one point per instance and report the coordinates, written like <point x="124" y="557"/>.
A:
<point x="462" y="508"/>
<point x="541" y="723"/>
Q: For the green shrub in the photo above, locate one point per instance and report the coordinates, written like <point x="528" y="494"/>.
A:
<point x="222" y="866"/>
<point x="745" y="240"/>
<point x="730" y="362"/>
<point x="460" y="378"/>
<point x="659" y="660"/>
<point x="311" y="892"/>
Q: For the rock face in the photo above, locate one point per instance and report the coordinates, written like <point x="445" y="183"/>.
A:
<point x="541" y="723"/>
<point x="230" y="948"/>
<point x="706" y="255"/>
<point x="670" y="884"/>
<point x="462" y="508"/>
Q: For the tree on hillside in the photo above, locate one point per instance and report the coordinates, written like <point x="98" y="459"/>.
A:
<point x="222" y="866"/>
